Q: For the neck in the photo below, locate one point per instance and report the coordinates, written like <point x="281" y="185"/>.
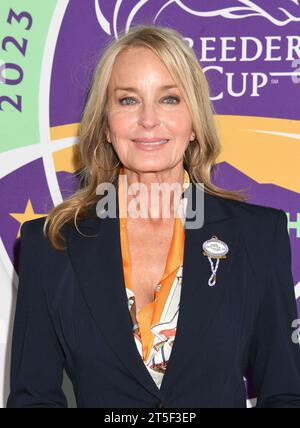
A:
<point x="152" y="196"/>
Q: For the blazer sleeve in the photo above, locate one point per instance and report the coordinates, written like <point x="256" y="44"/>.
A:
<point x="274" y="357"/>
<point x="36" y="359"/>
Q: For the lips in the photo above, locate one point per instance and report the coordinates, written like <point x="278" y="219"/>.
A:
<point x="150" y="140"/>
<point x="150" y="144"/>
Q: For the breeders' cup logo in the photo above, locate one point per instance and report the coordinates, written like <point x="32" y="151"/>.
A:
<point x="277" y="12"/>
<point x="239" y="50"/>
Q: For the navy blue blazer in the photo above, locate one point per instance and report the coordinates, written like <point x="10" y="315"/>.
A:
<point x="72" y="313"/>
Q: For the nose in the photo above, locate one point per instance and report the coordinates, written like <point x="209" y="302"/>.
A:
<point x="148" y="116"/>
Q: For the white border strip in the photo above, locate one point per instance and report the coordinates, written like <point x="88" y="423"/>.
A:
<point x="44" y="97"/>
<point x="297" y="290"/>
<point x="17" y="158"/>
<point x="8" y="266"/>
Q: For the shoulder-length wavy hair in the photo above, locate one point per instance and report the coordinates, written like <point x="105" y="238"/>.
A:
<point x="200" y="155"/>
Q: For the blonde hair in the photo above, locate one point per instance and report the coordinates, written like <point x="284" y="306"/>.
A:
<point x="200" y="155"/>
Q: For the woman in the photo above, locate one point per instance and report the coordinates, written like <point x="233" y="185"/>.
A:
<point x="151" y="310"/>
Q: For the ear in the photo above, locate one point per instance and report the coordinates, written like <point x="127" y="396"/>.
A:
<point x="192" y="136"/>
<point x="107" y="135"/>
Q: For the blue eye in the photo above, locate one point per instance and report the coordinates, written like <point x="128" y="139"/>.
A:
<point x="127" y="98"/>
<point x="173" y="98"/>
<point x="131" y="98"/>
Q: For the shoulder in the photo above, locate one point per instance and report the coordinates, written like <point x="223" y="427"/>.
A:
<point x="38" y="252"/>
<point x="33" y="227"/>
<point x="31" y="233"/>
<point x="253" y="216"/>
<point x="261" y="228"/>
<point x="250" y="209"/>
<point x="34" y="234"/>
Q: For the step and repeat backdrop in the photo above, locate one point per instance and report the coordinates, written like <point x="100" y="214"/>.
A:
<point x="250" y="52"/>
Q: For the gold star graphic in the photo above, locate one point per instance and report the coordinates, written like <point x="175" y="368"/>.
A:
<point x="29" y="214"/>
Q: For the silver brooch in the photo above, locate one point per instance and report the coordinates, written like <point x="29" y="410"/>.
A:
<point x="214" y="248"/>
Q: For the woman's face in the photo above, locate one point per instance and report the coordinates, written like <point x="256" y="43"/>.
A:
<point x="145" y="111"/>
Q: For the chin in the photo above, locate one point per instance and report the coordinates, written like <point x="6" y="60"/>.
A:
<point x="151" y="168"/>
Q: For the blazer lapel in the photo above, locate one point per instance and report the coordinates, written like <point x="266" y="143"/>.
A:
<point x="199" y="301"/>
<point x="97" y="262"/>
